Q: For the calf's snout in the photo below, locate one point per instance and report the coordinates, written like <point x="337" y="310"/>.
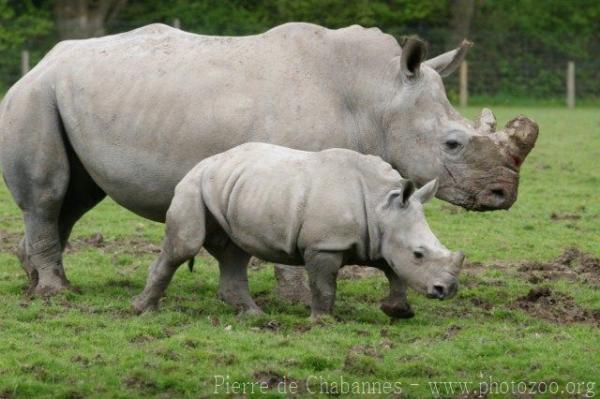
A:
<point x="443" y="289"/>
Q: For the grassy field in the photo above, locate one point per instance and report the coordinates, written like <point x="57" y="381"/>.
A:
<point x="521" y="314"/>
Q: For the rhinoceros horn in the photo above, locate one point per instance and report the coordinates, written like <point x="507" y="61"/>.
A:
<point x="517" y="138"/>
<point x="486" y="122"/>
<point x="457" y="261"/>
<point x="522" y="133"/>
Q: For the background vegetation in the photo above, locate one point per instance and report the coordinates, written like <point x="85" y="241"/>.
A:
<point x="524" y="312"/>
<point x="91" y="345"/>
<point x="522" y="46"/>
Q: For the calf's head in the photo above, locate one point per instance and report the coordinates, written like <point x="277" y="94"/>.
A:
<point x="426" y="138"/>
<point x="411" y="249"/>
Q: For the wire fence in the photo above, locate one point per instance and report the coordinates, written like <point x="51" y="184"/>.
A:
<point x="525" y="71"/>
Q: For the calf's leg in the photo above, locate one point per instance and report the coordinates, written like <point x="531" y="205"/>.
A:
<point x="396" y="304"/>
<point x="233" y="278"/>
<point x="160" y="275"/>
<point x="185" y="234"/>
<point x="322" y="268"/>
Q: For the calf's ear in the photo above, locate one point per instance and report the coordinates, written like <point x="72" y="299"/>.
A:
<point x="427" y="192"/>
<point x="399" y="198"/>
<point x="448" y="62"/>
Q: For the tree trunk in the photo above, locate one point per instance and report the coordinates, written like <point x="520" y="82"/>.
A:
<point x="80" y="19"/>
<point x="460" y="23"/>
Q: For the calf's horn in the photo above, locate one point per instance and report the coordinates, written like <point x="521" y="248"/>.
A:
<point x="457" y="261"/>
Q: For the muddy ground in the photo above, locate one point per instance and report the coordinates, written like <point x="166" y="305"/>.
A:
<point x="541" y="301"/>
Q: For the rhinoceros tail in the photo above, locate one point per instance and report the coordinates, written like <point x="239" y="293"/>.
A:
<point x="191" y="264"/>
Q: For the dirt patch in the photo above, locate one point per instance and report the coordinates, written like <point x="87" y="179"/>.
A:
<point x="451" y="209"/>
<point x="269" y="325"/>
<point x="302" y="327"/>
<point x="557" y="307"/>
<point x="255" y="263"/>
<point x="140" y="383"/>
<point x="482" y="303"/>
<point x="283" y="383"/>
<point x="573" y="264"/>
<point x="358" y="272"/>
<point x="366" y="350"/>
<point x="362" y="359"/>
<point x="268" y="378"/>
<point x="133" y="245"/>
<point x="451" y="332"/>
<point x="557" y="216"/>
<point x="9" y="241"/>
<point x="84" y="361"/>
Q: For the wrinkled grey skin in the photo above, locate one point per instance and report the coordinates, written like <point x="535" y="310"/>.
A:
<point x="319" y="209"/>
<point x="129" y="115"/>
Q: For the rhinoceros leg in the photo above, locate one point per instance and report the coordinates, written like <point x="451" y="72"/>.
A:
<point x="82" y="195"/>
<point x="322" y="268"/>
<point x="292" y="284"/>
<point x="27" y="266"/>
<point x="396" y="304"/>
<point x="186" y="228"/>
<point x="233" y="278"/>
<point x="159" y="276"/>
<point x="36" y="170"/>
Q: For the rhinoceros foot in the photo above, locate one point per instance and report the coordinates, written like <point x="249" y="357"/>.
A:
<point x="49" y="284"/>
<point x="144" y="304"/>
<point x="397" y="309"/>
<point x="250" y="312"/>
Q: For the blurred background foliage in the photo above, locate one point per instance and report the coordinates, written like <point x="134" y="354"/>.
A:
<point x="520" y="54"/>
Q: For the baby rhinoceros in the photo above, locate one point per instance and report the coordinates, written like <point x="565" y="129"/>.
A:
<point x="322" y="209"/>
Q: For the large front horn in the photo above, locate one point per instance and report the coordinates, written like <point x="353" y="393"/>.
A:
<point x="523" y="133"/>
<point x="518" y="138"/>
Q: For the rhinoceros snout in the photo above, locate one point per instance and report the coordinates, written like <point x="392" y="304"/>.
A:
<point x="494" y="198"/>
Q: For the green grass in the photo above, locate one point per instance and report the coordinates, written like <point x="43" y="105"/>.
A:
<point x="90" y="345"/>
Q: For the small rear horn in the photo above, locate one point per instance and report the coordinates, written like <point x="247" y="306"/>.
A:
<point x="486" y="121"/>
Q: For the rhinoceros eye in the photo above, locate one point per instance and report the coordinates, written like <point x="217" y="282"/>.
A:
<point x="452" y="145"/>
<point x="418" y="254"/>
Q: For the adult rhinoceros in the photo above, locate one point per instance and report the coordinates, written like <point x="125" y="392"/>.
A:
<point x="129" y="115"/>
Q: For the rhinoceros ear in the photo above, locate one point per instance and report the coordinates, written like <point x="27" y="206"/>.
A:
<point x="427" y="192"/>
<point x="448" y="62"/>
<point x="413" y="54"/>
<point x="399" y="198"/>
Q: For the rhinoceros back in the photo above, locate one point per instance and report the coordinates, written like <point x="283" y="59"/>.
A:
<point x="141" y="108"/>
<point x="276" y="202"/>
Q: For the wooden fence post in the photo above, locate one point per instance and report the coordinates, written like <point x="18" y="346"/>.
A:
<point x="571" y="84"/>
<point x="464" y="84"/>
<point x="176" y="23"/>
<point x="24" y="62"/>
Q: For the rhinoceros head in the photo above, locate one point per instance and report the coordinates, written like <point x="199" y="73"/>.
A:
<point x="409" y="246"/>
<point x="477" y="166"/>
